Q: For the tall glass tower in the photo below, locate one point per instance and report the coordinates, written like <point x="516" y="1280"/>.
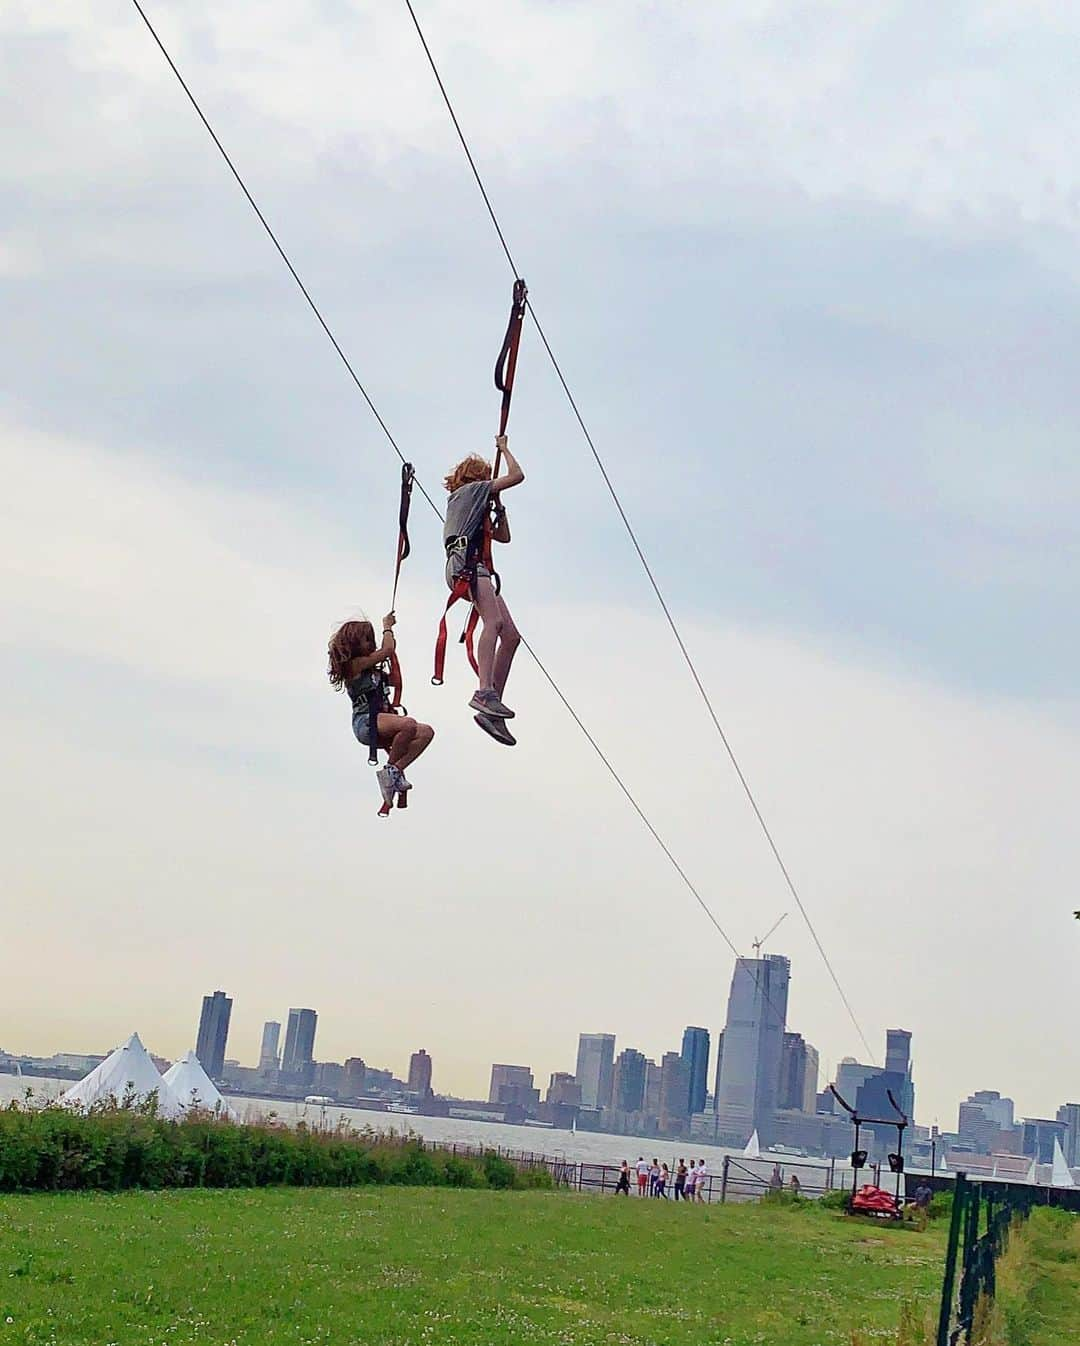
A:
<point x="749" y="1079"/>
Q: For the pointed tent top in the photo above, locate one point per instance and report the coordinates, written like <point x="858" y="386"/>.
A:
<point x="193" y="1087"/>
<point x="126" y="1073"/>
<point x="753" y="1148"/>
<point x="1059" y="1173"/>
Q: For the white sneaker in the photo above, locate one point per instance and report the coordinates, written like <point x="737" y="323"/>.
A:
<point x="397" y="776"/>
<point x="386" y="784"/>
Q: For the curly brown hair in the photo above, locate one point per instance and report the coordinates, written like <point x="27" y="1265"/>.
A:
<point x="473" y="468"/>
<point x="352" y="640"/>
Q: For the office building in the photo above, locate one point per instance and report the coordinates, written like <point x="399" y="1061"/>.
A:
<point x="420" y="1074"/>
<point x="654" y="1082"/>
<point x="898" y="1051"/>
<point x="791" y="1093"/>
<point x="512" y="1085"/>
<point x="813" y="1070"/>
<point x="564" y="1089"/>
<point x="718" y="1068"/>
<point x="213" y="1033"/>
<point x="355" y="1081"/>
<point x="299" y="1055"/>
<point x="629" y="1088"/>
<point x="986" y="1122"/>
<point x="271" y="1045"/>
<point x="753" y="1041"/>
<point x="596" y="1069"/>
<point x="674" y="1092"/>
<point x="1069" y="1115"/>
<point x="1039" y="1136"/>
<point x="695" y="1052"/>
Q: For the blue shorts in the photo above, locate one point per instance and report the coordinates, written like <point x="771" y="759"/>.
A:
<point x="360" y="727"/>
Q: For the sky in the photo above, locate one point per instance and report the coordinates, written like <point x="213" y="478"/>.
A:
<point x="812" y="275"/>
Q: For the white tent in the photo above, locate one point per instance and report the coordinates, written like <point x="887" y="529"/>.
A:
<point x="1059" y="1174"/>
<point x="753" y="1149"/>
<point x="194" y="1087"/>
<point x="126" y="1075"/>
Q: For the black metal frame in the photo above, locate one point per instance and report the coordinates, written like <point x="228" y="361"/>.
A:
<point x="859" y="1155"/>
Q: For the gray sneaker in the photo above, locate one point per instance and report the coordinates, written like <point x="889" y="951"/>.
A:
<point x="492" y="725"/>
<point x="487" y="703"/>
<point x="386" y="784"/>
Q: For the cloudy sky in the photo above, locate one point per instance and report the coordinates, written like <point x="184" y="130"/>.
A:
<point x="812" y="273"/>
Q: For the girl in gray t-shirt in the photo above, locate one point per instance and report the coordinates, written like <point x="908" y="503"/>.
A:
<point x="473" y="494"/>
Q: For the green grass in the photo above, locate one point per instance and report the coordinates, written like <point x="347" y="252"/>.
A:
<point x="1039" y="1284"/>
<point x="432" y="1267"/>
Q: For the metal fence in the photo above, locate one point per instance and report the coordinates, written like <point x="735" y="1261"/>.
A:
<point x="978" y="1233"/>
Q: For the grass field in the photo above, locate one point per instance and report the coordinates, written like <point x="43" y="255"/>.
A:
<point x="1039" y="1283"/>
<point x="423" y="1266"/>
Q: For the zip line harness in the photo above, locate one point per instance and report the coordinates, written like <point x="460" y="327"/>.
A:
<point x="388" y="676"/>
<point x="478" y="549"/>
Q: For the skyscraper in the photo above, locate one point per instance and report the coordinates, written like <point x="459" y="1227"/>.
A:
<point x="596" y="1068"/>
<point x="512" y="1084"/>
<point x="271" y="1042"/>
<point x="564" y="1089"/>
<point x="355" y="1076"/>
<point x="753" y="1037"/>
<point x="420" y="1073"/>
<point x="898" y="1050"/>
<point x="629" y="1087"/>
<point x="213" y="1033"/>
<point x="1069" y="1114"/>
<point x="299" y="1042"/>
<point x="695" y="1052"/>
<point x="654" y="1088"/>
<point x="674" y="1091"/>
<point x="798" y="1075"/>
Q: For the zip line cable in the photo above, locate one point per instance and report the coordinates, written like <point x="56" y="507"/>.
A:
<point x="612" y="770"/>
<point x="687" y="658"/>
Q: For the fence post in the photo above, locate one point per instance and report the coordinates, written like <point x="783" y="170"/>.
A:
<point x="723" y="1180"/>
<point x="832" y="1174"/>
<point x="949" y="1284"/>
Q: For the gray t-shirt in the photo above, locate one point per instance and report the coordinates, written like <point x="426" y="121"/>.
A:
<point x="465" y="512"/>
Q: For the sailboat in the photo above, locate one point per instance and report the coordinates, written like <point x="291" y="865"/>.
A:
<point x="1059" y="1173"/>
<point x="753" y="1149"/>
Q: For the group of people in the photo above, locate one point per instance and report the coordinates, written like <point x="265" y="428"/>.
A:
<point x="475" y="517"/>
<point x="654" y="1179"/>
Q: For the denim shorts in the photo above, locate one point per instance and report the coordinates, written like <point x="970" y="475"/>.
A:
<point x="360" y="727"/>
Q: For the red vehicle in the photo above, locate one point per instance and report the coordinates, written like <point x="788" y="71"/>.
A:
<point x="871" y="1200"/>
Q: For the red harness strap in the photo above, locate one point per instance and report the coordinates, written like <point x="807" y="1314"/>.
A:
<point x="463" y="588"/>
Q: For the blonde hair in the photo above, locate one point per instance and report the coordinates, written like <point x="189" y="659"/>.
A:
<point x="473" y="468"/>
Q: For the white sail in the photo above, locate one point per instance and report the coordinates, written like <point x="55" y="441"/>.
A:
<point x="1059" y="1173"/>
<point x="753" y="1148"/>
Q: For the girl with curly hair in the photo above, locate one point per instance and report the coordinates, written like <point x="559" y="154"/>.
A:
<point x="356" y="667"/>
<point x="473" y="495"/>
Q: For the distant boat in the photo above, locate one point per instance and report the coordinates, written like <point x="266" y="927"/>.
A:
<point x="402" y="1107"/>
<point x="530" y="1121"/>
<point x="753" y="1149"/>
<point x="319" y="1100"/>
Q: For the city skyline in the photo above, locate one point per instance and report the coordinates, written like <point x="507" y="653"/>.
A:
<point x="848" y="1073"/>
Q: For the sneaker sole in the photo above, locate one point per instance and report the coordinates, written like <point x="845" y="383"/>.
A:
<point x="496" y="730"/>
<point x="482" y="708"/>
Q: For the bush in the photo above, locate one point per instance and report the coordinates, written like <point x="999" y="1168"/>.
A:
<point x="110" y="1149"/>
<point x="835" y="1200"/>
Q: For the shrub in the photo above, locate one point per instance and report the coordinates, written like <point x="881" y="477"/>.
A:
<point x="109" y="1149"/>
<point x="835" y="1200"/>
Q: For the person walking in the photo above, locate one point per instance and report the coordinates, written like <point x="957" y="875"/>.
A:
<point x="700" y="1179"/>
<point x="680" y="1180"/>
<point x="622" y="1187"/>
<point x="691" y="1183"/>
<point x="642" y="1175"/>
<point x="662" y="1182"/>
